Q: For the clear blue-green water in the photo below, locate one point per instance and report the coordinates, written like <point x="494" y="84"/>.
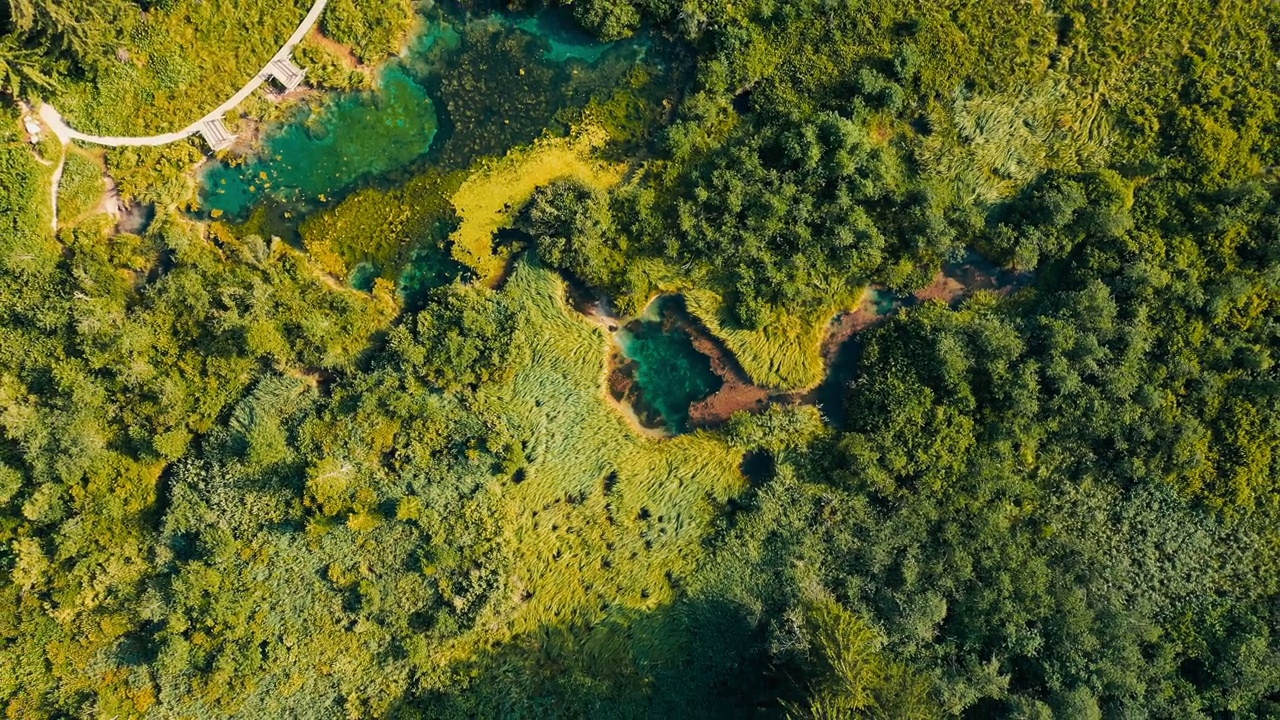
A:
<point x="883" y="301"/>
<point x="464" y="89"/>
<point x="323" y="151"/>
<point x="470" y="87"/>
<point x="564" y="42"/>
<point x="669" y="372"/>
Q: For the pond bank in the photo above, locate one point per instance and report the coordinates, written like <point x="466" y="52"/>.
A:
<point x="841" y="349"/>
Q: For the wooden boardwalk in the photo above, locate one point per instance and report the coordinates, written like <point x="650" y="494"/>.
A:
<point x="216" y="135"/>
<point x="284" y="72"/>
<point x="281" y="63"/>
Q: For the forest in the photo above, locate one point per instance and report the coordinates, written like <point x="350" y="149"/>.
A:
<point x="292" y="435"/>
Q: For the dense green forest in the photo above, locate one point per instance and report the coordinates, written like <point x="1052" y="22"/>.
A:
<point x="361" y="461"/>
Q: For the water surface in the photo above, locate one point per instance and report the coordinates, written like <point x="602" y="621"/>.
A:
<point x="320" y="152"/>
<point x="668" y="371"/>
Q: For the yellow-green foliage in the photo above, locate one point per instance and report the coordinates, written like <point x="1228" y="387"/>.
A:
<point x="784" y="353"/>
<point x="632" y="110"/>
<point x="372" y="28"/>
<point x="25" y="241"/>
<point x="160" y="175"/>
<point x="329" y="67"/>
<point x="856" y="677"/>
<point x="81" y="188"/>
<point x="183" y="60"/>
<point x="489" y="200"/>
<point x="603" y="516"/>
<point x="988" y="147"/>
<point x="379" y="226"/>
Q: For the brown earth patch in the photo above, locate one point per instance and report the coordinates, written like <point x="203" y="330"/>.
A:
<point x="338" y="49"/>
<point x="738" y="393"/>
<point x="943" y="289"/>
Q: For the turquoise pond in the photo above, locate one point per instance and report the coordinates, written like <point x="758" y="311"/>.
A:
<point x="564" y="42"/>
<point x="883" y="301"/>
<point x="668" y="371"/>
<point x="473" y="87"/>
<point x="322" y="151"/>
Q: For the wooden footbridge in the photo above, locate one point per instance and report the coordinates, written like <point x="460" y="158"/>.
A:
<point x="280" y="69"/>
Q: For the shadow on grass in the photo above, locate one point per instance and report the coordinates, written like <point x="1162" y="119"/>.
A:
<point x="704" y="658"/>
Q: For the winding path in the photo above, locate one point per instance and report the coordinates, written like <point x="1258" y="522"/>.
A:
<point x="66" y="134"/>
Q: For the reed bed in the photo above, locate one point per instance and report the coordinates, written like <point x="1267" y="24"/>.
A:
<point x="603" y="519"/>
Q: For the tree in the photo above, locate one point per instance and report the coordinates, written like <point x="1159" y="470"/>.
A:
<point x="572" y="229"/>
<point x="21" y="68"/>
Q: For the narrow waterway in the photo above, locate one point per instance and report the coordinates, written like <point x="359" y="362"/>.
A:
<point x="677" y="376"/>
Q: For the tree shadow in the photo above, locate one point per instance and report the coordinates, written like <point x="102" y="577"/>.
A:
<point x="695" y="658"/>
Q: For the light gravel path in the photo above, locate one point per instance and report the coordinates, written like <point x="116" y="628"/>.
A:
<point x="66" y="134"/>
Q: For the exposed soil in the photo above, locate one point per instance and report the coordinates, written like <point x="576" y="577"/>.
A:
<point x="841" y="348"/>
<point x="110" y="203"/>
<point x="349" y="58"/>
<point x="591" y="304"/>
<point x="944" y="289"/>
<point x="958" y="281"/>
<point x="845" y="325"/>
<point x="737" y="393"/>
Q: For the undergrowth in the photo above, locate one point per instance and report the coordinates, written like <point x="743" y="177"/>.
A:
<point x="601" y="519"/>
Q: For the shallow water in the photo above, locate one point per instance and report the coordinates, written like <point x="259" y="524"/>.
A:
<point x="492" y="82"/>
<point x="465" y="88"/>
<point x="883" y="300"/>
<point x="565" y="42"/>
<point x="319" y="153"/>
<point x="669" y="373"/>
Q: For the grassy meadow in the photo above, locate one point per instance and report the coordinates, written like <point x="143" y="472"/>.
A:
<point x="604" y="519"/>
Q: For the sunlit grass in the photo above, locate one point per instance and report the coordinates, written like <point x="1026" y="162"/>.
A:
<point x="602" y="519"/>
<point x="489" y="200"/>
<point x="785" y="352"/>
<point x="82" y="186"/>
<point x="179" y="63"/>
<point x="379" y="226"/>
<point x="991" y="146"/>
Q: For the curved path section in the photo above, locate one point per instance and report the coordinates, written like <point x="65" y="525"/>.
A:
<point x="66" y="134"/>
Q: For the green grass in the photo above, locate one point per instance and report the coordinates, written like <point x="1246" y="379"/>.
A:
<point x="490" y="198"/>
<point x="81" y="188"/>
<point x="785" y="353"/>
<point x="989" y="147"/>
<point x="181" y="63"/>
<point x="26" y="245"/>
<point x="372" y="29"/>
<point x="380" y="226"/>
<point x="603" y="517"/>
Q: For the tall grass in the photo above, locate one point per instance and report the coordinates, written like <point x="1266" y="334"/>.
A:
<point x="603" y="519"/>
<point x="81" y="188"/>
<point x="183" y="59"/>
<point x="785" y="353"/>
<point x="990" y="146"/>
